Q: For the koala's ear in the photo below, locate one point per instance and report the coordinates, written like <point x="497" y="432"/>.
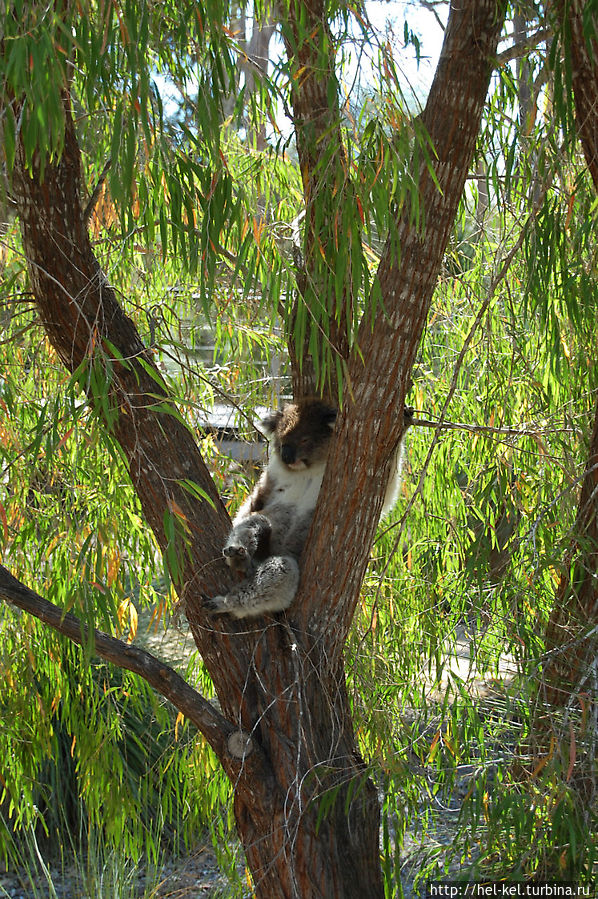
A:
<point x="269" y="423"/>
<point x="329" y="416"/>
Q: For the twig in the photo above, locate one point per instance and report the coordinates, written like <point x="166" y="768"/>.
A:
<point x="531" y="431"/>
<point x="96" y="193"/>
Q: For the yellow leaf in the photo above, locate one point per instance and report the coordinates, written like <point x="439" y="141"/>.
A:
<point x="133" y="623"/>
<point x="544" y="760"/>
<point x="486" y="806"/>
<point x="433" y="746"/>
<point x="176" y="510"/>
<point x="113" y="566"/>
<point x="121" y="613"/>
<point x="448" y="745"/>
<point x="156" y="616"/>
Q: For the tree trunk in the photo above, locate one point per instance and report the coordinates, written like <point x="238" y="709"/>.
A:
<point x="570" y="672"/>
<point x="371" y="426"/>
<point x="571" y="639"/>
<point x="580" y="40"/>
<point x="301" y="724"/>
<point x="327" y="188"/>
<point x="306" y="812"/>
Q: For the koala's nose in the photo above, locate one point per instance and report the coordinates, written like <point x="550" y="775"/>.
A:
<point x="287" y="454"/>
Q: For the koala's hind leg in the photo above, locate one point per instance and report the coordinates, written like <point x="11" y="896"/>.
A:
<point x="249" y="538"/>
<point x="271" y="589"/>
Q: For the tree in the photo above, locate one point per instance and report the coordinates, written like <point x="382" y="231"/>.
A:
<point x="570" y="673"/>
<point x="306" y="812"/>
<point x="280" y="684"/>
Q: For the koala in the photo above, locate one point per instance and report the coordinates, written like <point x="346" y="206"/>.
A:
<point x="271" y="527"/>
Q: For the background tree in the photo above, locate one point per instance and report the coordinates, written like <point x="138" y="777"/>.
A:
<point x="569" y="680"/>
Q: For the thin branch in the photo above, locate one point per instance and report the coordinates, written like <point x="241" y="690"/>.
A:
<point x="527" y="431"/>
<point x="431" y="7"/>
<point x="96" y="193"/>
<point x="515" y="51"/>
<point x="160" y="676"/>
<point x="220" y="733"/>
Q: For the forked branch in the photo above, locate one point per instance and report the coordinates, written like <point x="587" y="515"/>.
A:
<point x="370" y="429"/>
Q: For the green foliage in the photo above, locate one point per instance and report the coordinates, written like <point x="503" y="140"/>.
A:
<point x="472" y="566"/>
<point x="89" y="753"/>
<point x="197" y="231"/>
<point x="92" y="749"/>
<point x="190" y="193"/>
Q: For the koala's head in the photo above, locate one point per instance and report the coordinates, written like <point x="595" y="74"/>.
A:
<point x="301" y="432"/>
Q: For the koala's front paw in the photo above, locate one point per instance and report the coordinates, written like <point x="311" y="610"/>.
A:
<point x="215" y="605"/>
<point x="237" y="557"/>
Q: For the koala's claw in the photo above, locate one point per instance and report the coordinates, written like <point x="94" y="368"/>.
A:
<point x="214" y="605"/>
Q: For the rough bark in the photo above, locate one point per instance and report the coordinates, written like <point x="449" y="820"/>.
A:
<point x="281" y="681"/>
<point x="324" y="172"/>
<point x="582" y="50"/>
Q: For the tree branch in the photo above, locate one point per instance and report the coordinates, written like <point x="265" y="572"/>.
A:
<point x="237" y="751"/>
<point x="96" y="193"/>
<point x="325" y="176"/>
<point x="91" y="333"/>
<point x="526" y="431"/>
<point x="515" y="51"/>
<point x="367" y="434"/>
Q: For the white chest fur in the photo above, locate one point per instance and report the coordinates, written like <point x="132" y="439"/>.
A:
<point x="295" y="488"/>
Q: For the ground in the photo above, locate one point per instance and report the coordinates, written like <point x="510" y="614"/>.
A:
<point x="197" y="875"/>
